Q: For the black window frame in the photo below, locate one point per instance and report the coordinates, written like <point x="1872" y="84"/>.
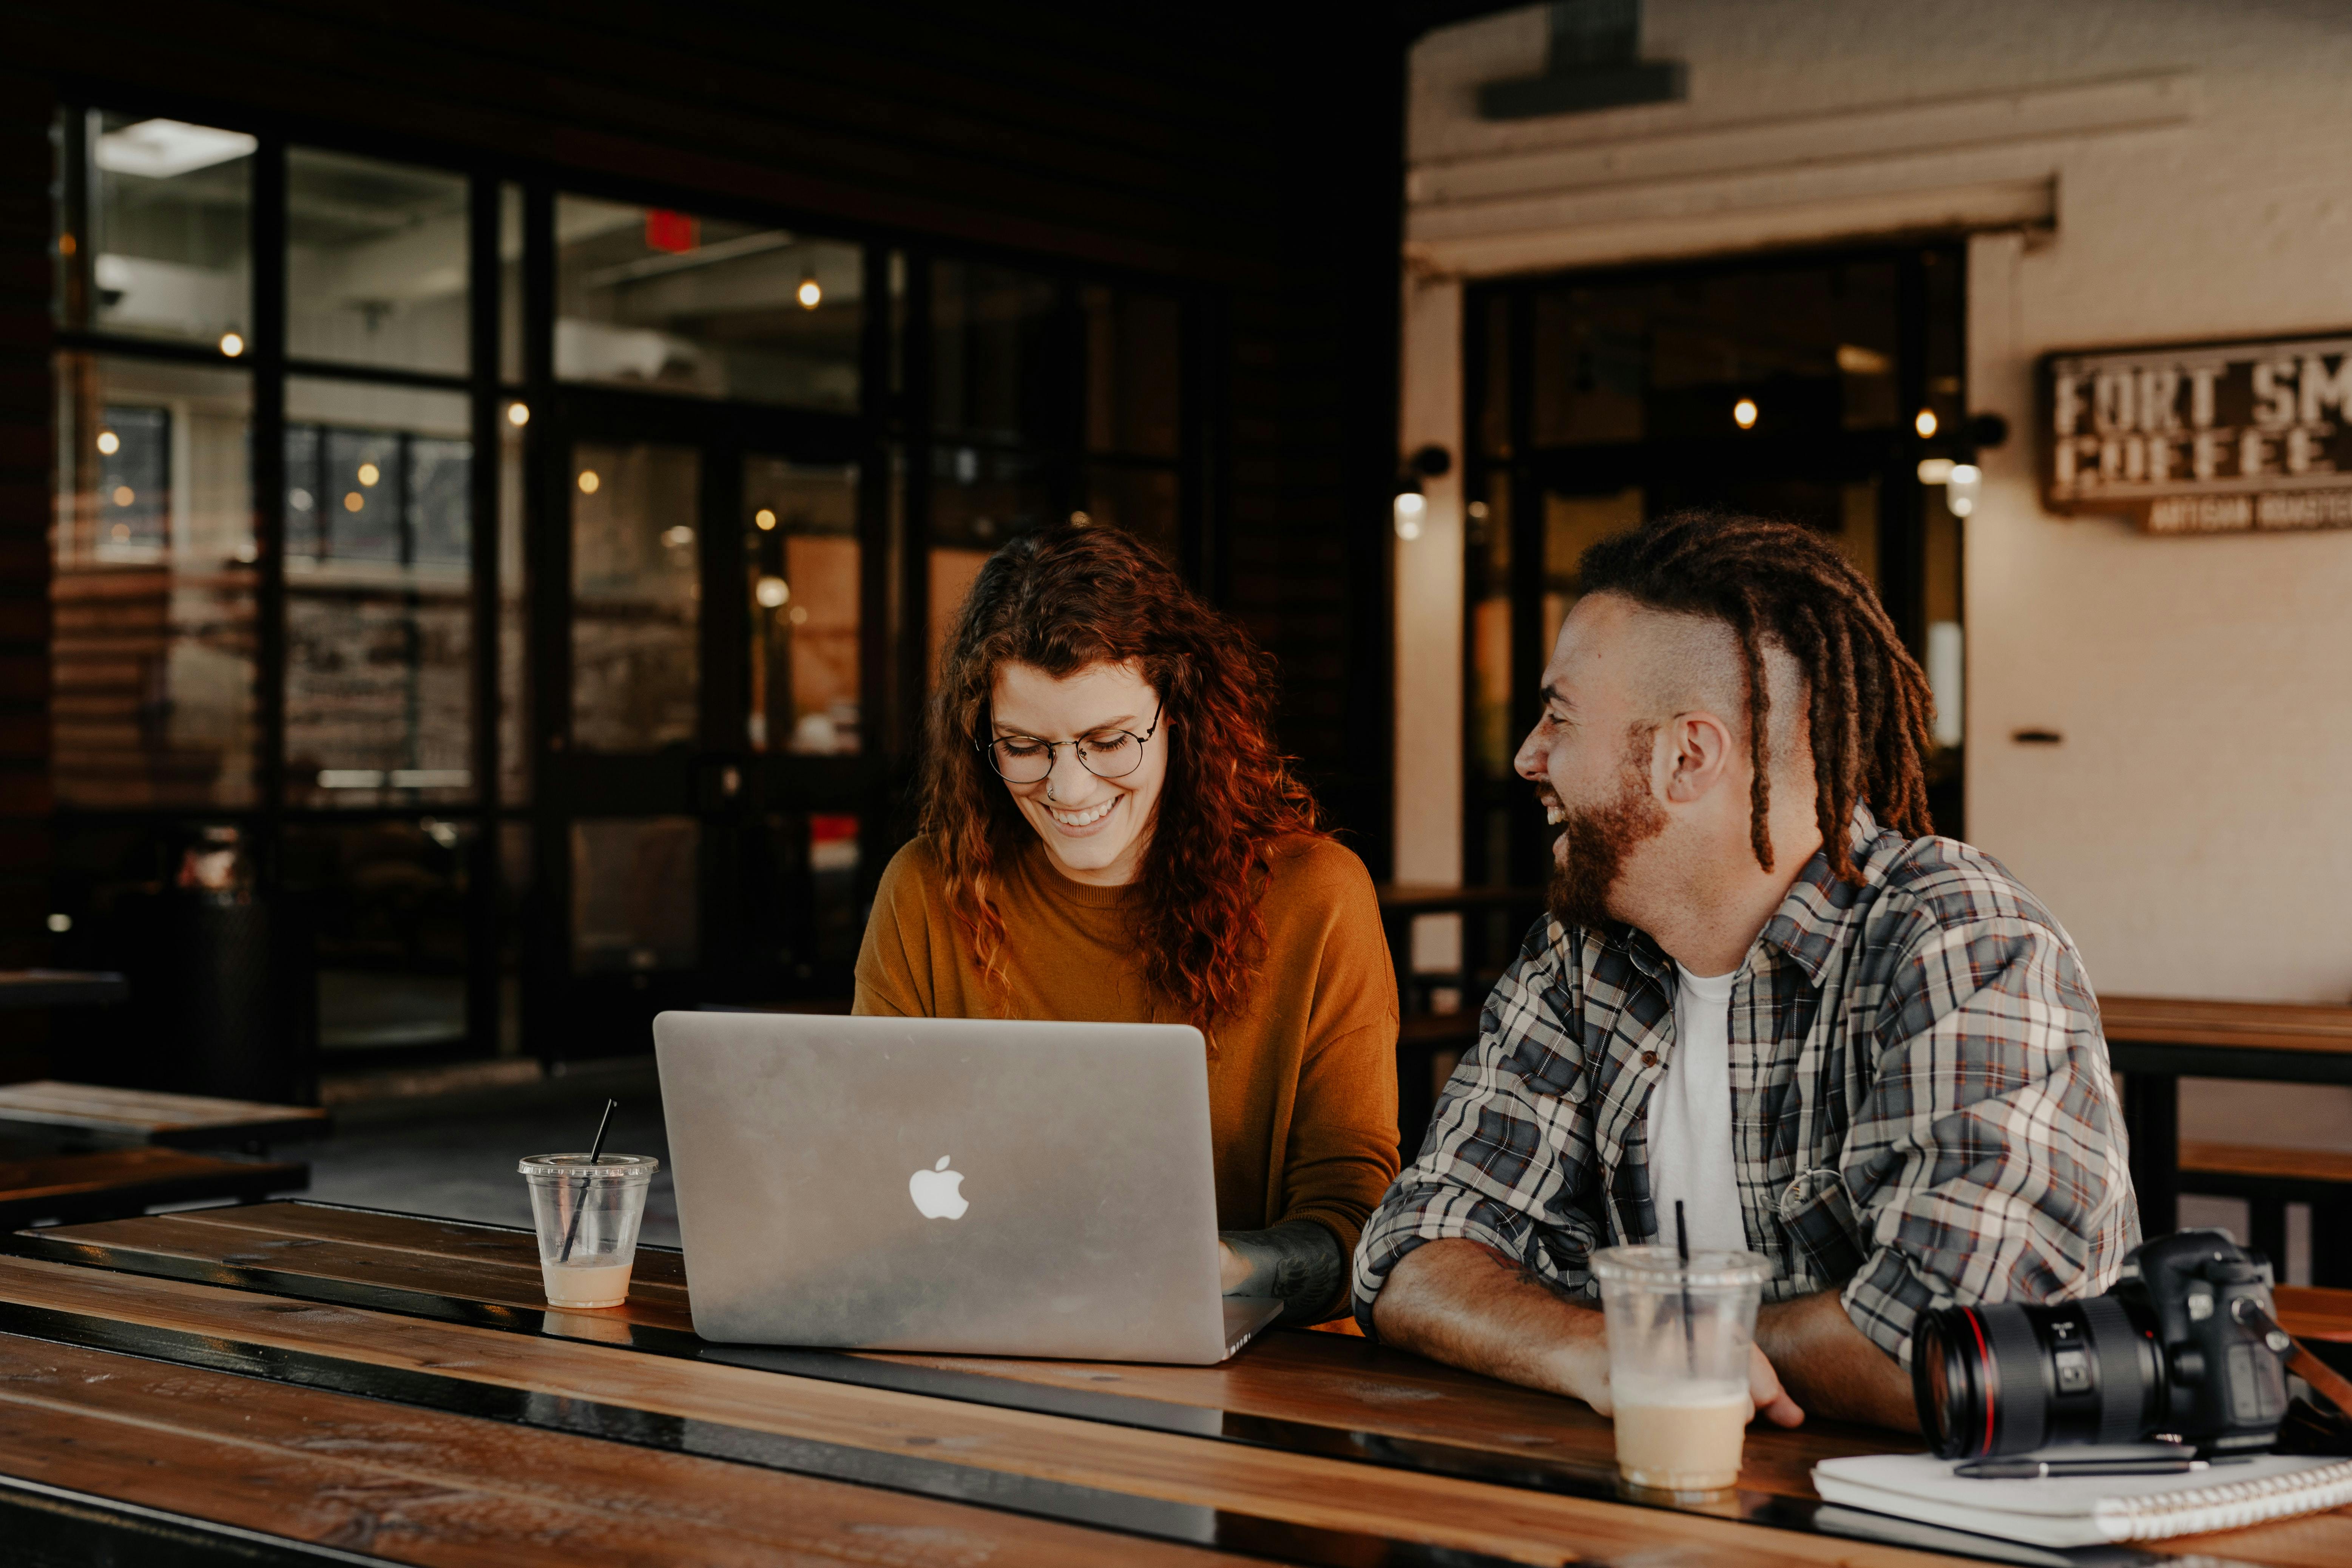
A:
<point x="891" y="431"/>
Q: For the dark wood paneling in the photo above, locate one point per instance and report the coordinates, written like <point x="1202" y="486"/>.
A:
<point x="26" y="448"/>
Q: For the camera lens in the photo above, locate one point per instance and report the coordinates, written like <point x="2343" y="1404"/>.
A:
<point x="2010" y="1379"/>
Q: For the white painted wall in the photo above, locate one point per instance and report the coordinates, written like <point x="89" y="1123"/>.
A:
<point x="2134" y="171"/>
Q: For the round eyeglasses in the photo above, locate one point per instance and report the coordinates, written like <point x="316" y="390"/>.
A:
<point x="1105" y="753"/>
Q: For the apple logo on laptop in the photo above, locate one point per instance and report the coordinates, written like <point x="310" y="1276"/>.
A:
<point x="934" y="1192"/>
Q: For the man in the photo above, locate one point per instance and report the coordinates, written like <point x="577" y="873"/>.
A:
<point x="1764" y="991"/>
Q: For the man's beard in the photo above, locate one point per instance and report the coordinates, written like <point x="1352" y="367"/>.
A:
<point x="1596" y="840"/>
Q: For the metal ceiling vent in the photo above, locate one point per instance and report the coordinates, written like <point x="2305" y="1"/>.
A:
<point x="1595" y="63"/>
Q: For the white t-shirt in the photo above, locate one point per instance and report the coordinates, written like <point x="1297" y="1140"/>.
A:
<point x="1690" y="1120"/>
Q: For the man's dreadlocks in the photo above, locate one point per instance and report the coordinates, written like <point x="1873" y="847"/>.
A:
<point x="1777" y="582"/>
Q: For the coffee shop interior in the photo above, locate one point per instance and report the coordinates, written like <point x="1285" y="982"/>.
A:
<point x="484" y="491"/>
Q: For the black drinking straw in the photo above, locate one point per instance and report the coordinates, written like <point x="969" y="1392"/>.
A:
<point x="597" y="1157"/>
<point x="1682" y="1248"/>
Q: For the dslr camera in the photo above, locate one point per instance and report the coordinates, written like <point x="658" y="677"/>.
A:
<point x="2178" y="1350"/>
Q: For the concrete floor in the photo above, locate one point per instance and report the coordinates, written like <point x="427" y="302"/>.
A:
<point x="454" y="1155"/>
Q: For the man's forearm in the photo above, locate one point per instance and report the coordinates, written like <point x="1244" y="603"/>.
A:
<point x="1832" y="1368"/>
<point x="1471" y="1307"/>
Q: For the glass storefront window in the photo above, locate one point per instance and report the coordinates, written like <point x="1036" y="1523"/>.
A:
<point x="510" y="312"/>
<point x="514" y="626"/>
<point x="669" y="301"/>
<point x="1573" y="524"/>
<point x="379" y="643"/>
<point x="1490" y="636"/>
<point x="635" y="596"/>
<point x="805" y="919"/>
<point x="635" y="899"/>
<point x="168" y="252"/>
<point x="998" y="357"/>
<point x="979" y="499"/>
<point x="1494" y="386"/>
<point x="385" y="902"/>
<point x="1814" y="348"/>
<point x="375" y="262"/>
<point x="153" y="643"/>
<point x="801" y="584"/>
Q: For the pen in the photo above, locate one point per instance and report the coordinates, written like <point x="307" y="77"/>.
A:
<point x="2038" y="1469"/>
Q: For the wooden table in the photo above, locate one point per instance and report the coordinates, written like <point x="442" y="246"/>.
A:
<point x="21" y="988"/>
<point x="95" y="1113"/>
<point x="393" y="1388"/>
<point x="2156" y="1041"/>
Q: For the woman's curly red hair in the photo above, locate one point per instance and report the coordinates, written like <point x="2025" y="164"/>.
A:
<point x="1062" y="600"/>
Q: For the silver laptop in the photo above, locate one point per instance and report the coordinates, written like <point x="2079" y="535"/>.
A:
<point x="1020" y="1189"/>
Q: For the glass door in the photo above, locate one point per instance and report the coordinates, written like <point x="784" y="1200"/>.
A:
<point x="702" y="602"/>
<point x="1823" y="390"/>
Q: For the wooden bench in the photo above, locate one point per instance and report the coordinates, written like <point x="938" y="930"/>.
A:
<point x="93" y="1113"/>
<point x="2156" y="1041"/>
<point x="23" y="988"/>
<point x="111" y="1182"/>
<point x="2268" y="1179"/>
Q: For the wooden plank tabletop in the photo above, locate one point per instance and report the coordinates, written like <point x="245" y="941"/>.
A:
<point x="427" y="1486"/>
<point x="1311" y="1432"/>
<point x="1301" y="1507"/>
<point x="149" y="1117"/>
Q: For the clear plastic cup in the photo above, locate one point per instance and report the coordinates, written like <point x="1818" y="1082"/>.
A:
<point x="1679" y="1336"/>
<point x="588" y="1217"/>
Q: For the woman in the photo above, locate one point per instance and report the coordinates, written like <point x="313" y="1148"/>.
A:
<point x="1107" y="834"/>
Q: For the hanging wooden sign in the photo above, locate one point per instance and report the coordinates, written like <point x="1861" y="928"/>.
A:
<point x="2202" y="437"/>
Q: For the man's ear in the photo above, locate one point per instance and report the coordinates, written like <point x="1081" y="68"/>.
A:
<point x="1697" y="755"/>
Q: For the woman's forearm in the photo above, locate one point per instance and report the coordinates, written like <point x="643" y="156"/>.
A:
<point x="1299" y="1263"/>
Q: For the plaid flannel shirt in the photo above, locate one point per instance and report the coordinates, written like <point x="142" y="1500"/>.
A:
<point x="1921" y="1105"/>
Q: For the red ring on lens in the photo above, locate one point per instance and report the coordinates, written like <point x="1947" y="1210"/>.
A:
<point x="1984" y="1373"/>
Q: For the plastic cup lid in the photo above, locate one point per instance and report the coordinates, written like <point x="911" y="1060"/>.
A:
<point x="576" y="1168"/>
<point x="1664" y="1267"/>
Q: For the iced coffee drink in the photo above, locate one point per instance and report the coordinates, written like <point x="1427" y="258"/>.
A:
<point x="1679" y="1338"/>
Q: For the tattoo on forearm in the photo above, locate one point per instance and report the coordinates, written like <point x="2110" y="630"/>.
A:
<point x="1299" y="1263"/>
<point x="1526" y="1273"/>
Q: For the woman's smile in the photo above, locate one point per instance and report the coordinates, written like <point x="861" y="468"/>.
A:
<point x="1080" y="821"/>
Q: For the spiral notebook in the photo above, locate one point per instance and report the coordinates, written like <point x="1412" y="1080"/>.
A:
<point x="2086" y="1511"/>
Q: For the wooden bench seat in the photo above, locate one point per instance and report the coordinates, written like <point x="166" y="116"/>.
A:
<point x="2269" y="1179"/>
<point x="102" y="1115"/>
<point x="112" y="1183"/>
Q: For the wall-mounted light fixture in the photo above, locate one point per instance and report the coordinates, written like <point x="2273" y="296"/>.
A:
<point x="1410" y="506"/>
<point x="1959" y="476"/>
